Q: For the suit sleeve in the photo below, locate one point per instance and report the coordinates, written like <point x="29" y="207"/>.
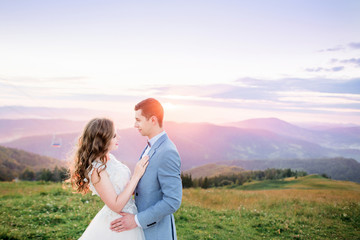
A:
<point x="171" y="187"/>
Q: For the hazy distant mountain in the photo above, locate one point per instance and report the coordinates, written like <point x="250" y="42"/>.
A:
<point x="200" y="143"/>
<point x="274" y="125"/>
<point x="324" y="126"/>
<point x="334" y="138"/>
<point x="43" y="145"/>
<point x="343" y="138"/>
<point x="130" y="145"/>
<point x="12" y="129"/>
<point x="205" y="143"/>
<point x="14" y="161"/>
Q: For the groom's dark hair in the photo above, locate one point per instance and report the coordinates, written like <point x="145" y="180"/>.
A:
<point x="151" y="107"/>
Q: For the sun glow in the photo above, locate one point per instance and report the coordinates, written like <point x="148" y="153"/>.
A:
<point x="169" y="106"/>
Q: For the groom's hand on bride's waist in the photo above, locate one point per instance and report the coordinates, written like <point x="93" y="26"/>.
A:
<point x="127" y="222"/>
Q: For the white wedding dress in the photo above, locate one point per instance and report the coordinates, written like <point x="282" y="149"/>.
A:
<point x="99" y="227"/>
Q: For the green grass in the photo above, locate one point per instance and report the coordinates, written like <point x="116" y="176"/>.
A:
<point x="306" y="208"/>
<point x="307" y="182"/>
<point x="35" y="210"/>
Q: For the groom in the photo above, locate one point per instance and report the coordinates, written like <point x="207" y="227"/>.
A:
<point x="159" y="192"/>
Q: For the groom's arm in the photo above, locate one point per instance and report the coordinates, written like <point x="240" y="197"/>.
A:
<point x="171" y="187"/>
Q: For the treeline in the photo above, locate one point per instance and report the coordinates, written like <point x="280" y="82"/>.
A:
<point x="337" y="168"/>
<point x="56" y="175"/>
<point x="239" y="178"/>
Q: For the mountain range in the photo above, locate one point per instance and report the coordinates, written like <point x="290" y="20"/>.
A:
<point x="334" y="138"/>
<point x="202" y="143"/>
<point x="13" y="129"/>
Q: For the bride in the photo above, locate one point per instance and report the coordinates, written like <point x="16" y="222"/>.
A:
<point x="97" y="170"/>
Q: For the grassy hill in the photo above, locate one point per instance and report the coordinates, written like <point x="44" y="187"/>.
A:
<point x="338" y="168"/>
<point x="306" y="183"/>
<point x="311" y="207"/>
<point x="14" y="161"/>
<point x="212" y="170"/>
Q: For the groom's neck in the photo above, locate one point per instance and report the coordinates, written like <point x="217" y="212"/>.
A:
<point x="155" y="132"/>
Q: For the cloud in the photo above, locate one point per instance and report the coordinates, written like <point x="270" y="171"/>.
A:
<point x="355" y="61"/>
<point x="333" y="49"/>
<point x="325" y="85"/>
<point x="245" y="93"/>
<point x="281" y="95"/>
<point x="30" y="81"/>
<point x="354" y="45"/>
<point x="320" y="69"/>
<point x="335" y="69"/>
<point x="193" y="90"/>
<point x="292" y="93"/>
<point x="316" y="98"/>
<point x="314" y="69"/>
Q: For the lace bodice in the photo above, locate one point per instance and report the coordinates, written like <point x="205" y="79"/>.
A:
<point x="119" y="175"/>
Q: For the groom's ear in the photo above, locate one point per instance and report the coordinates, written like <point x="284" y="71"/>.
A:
<point x="154" y="120"/>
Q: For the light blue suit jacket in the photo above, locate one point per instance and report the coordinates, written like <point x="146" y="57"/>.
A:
<point x="159" y="191"/>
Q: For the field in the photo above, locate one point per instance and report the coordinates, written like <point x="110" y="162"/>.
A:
<point x="306" y="208"/>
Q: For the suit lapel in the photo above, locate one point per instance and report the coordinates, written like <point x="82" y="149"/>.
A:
<point x="142" y="153"/>
<point x="157" y="145"/>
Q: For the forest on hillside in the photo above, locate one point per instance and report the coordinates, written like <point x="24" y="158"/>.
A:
<point x="338" y="168"/>
<point x="16" y="163"/>
<point x="240" y="178"/>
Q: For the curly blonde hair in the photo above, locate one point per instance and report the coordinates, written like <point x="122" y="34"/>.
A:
<point x="93" y="144"/>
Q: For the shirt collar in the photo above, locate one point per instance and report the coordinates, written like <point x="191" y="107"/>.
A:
<point x="153" y="140"/>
